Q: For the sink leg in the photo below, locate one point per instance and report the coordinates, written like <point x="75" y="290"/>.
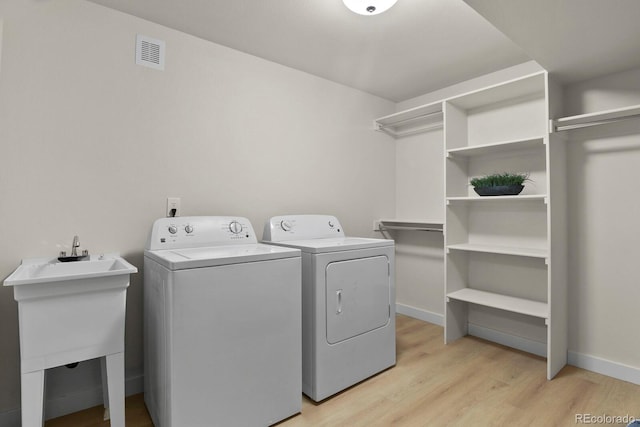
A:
<point x="115" y="385"/>
<point x="32" y="398"/>
<point x="105" y="387"/>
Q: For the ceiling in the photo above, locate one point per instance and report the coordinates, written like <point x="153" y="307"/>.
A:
<point x="573" y="39"/>
<point x="418" y="46"/>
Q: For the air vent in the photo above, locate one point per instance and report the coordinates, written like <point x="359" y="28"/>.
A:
<point x="150" y="52"/>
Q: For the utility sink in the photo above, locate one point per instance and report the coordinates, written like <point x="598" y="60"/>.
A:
<point x="51" y="270"/>
<point x="69" y="312"/>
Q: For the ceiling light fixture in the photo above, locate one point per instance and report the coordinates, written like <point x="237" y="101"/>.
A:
<point x="368" y="7"/>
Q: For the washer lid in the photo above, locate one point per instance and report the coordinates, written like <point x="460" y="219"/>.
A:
<point x="182" y="259"/>
<point x="317" y="246"/>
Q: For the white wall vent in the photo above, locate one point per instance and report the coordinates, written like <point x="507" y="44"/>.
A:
<point x="149" y="52"/>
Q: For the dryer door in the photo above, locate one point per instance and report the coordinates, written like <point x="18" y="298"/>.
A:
<point x="357" y="295"/>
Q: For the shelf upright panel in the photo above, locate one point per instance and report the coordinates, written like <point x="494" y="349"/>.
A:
<point x="456" y="270"/>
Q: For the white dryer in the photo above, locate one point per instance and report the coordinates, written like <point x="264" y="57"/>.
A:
<point x="348" y="302"/>
<point x="222" y="334"/>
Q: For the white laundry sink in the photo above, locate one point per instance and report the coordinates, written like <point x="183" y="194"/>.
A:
<point x="70" y="311"/>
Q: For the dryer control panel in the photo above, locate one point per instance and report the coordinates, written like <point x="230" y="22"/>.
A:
<point x="301" y="227"/>
<point x="200" y="231"/>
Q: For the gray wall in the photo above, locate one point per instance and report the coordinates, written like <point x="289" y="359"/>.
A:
<point x="92" y="144"/>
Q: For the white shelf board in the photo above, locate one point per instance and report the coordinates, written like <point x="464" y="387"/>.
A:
<point x="597" y="118"/>
<point x="502" y="302"/>
<point x="532" y="84"/>
<point x="497" y="199"/>
<point x="497" y="147"/>
<point x="413" y="113"/>
<point x="409" y="122"/>
<point x="504" y="250"/>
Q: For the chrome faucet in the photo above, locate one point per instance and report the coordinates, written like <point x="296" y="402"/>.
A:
<point x="75" y="245"/>
<point x="74" y="252"/>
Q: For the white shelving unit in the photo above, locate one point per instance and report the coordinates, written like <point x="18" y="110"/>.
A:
<point x="504" y="256"/>
<point x="507" y="253"/>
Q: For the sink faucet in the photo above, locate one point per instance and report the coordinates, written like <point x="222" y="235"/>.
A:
<point x="74" y="252"/>
<point x="75" y="245"/>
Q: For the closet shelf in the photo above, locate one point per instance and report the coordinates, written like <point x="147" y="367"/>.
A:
<point x="410" y="122"/>
<point x="531" y="85"/>
<point x="594" y="119"/>
<point x="503" y="250"/>
<point x="502" y="302"/>
<point x="404" y="224"/>
<point x="497" y="199"/>
<point x="497" y="147"/>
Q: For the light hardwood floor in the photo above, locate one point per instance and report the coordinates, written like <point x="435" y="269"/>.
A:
<point x="468" y="383"/>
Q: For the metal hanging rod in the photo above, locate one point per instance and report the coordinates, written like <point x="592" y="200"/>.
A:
<point x="401" y="227"/>
<point x="409" y="225"/>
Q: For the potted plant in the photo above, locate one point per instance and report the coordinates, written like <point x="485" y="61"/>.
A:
<point x="500" y="184"/>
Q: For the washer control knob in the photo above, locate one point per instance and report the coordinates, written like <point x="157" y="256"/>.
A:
<point x="188" y="228"/>
<point x="173" y="229"/>
<point x="235" y="227"/>
<point x="285" y="225"/>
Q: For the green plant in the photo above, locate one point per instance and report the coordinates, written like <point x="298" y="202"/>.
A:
<point x="500" y="179"/>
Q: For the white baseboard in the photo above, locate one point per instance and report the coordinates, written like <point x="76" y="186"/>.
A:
<point x="73" y="402"/>
<point x="584" y="361"/>
<point x="605" y="367"/>
<point x="420" y="314"/>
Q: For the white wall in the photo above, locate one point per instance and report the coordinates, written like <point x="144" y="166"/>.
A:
<point x="92" y="144"/>
<point x="604" y="226"/>
<point x="420" y="196"/>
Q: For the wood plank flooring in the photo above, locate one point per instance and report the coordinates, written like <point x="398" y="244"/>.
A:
<point x="468" y="383"/>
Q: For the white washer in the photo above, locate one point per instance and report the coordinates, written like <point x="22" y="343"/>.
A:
<point x="348" y="302"/>
<point x="222" y="334"/>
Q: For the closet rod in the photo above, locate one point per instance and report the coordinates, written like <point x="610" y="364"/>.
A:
<point x="594" y="123"/>
<point x="400" y="227"/>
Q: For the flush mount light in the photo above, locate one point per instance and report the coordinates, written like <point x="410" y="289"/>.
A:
<point x="369" y="7"/>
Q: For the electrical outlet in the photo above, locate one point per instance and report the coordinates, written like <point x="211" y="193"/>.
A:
<point x="173" y="206"/>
